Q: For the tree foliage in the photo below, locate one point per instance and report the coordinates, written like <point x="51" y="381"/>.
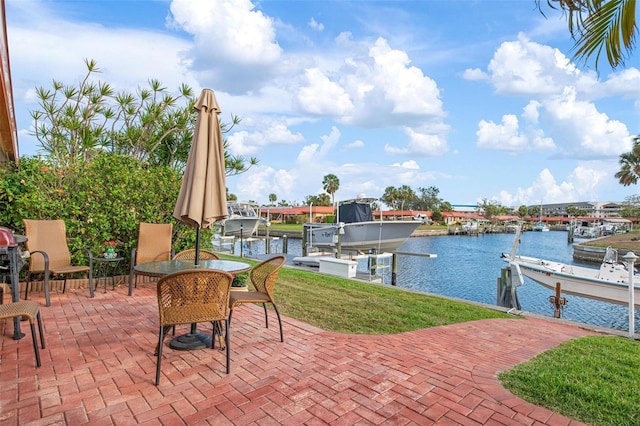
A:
<point x="630" y="165"/>
<point x="318" y="200"/>
<point x="331" y="184"/>
<point x="76" y="122"/>
<point x="598" y="25"/>
<point x="112" y="160"/>
<point x="492" y="209"/>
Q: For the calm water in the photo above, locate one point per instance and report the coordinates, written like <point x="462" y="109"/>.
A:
<point x="468" y="267"/>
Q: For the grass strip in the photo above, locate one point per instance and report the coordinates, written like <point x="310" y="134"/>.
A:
<point x="593" y="379"/>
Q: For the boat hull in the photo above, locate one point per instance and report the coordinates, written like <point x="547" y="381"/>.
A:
<point x="382" y="236"/>
<point x="580" y="281"/>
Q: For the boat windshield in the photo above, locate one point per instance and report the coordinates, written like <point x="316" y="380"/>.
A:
<point x="240" y="209"/>
<point x="610" y="256"/>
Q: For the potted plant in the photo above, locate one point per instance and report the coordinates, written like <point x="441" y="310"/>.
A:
<point x="240" y="282"/>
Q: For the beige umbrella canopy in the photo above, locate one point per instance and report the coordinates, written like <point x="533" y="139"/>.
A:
<point x="203" y="195"/>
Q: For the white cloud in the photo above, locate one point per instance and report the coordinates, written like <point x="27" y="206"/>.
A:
<point x="525" y="67"/>
<point x="581" y="184"/>
<point x="316" y="25"/>
<point x="422" y="144"/>
<point x="355" y="144"/>
<point x="231" y="40"/>
<point x="314" y="154"/>
<point x="584" y="132"/>
<point x="505" y="136"/>
<point x="271" y="133"/>
<point x="474" y="74"/>
<point x="322" y="96"/>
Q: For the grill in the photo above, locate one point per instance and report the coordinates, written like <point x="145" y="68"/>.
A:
<point x="9" y="252"/>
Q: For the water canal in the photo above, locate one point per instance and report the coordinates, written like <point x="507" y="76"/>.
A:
<point x="468" y="267"/>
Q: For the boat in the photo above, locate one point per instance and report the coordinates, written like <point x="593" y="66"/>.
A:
<point x="356" y="230"/>
<point x="586" y="229"/>
<point x="242" y="221"/>
<point x="540" y="226"/>
<point x="608" y="283"/>
<point x="470" y="227"/>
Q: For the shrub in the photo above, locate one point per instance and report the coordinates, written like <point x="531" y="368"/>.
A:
<point x="101" y="200"/>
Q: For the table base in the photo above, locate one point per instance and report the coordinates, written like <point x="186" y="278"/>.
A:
<point x="190" y="341"/>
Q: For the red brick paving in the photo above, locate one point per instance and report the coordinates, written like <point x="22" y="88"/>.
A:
<point x="98" y="368"/>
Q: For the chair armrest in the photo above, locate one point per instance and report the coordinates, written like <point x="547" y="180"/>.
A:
<point x="46" y="259"/>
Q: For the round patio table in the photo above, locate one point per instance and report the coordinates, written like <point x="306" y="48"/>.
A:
<point x="192" y="340"/>
<point x="166" y="267"/>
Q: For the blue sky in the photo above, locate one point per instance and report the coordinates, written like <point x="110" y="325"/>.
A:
<point x="478" y="98"/>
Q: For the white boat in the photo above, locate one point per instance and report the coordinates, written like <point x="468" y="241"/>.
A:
<point x="588" y="230"/>
<point x="540" y="227"/>
<point x="243" y="219"/>
<point x="608" y="283"/>
<point x="470" y="227"/>
<point x="357" y="231"/>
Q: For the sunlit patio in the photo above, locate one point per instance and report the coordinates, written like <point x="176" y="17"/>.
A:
<point x="98" y="367"/>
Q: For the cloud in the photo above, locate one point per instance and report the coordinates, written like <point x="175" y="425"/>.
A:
<point x="525" y="67"/>
<point x="584" y="131"/>
<point x="272" y="132"/>
<point x="315" y="153"/>
<point x="559" y="102"/>
<point x="423" y="144"/>
<point x="322" y="96"/>
<point x="231" y="40"/>
<point x="316" y="25"/>
<point x="355" y="144"/>
<point x="579" y="185"/>
<point x="474" y="74"/>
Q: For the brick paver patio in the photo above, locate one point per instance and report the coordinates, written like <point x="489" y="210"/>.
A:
<point x="99" y="368"/>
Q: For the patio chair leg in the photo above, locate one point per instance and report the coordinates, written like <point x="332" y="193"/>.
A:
<point x="266" y="317"/>
<point x="279" y="322"/>
<point x="35" y="344"/>
<point x="40" y="328"/>
<point x="226" y="342"/>
<point x="91" y="283"/>
<point x="64" y="284"/>
<point x="159" y="352"/>
<point x="27" y="285"/>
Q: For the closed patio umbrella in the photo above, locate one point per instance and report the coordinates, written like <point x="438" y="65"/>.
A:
<point x="203" y="195"/>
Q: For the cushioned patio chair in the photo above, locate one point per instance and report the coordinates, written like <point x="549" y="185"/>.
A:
<point x="47" y="244"/>
<point x="190" y="254"/>
<point x="154" y="244"/>
<point x="194" y="296"/>
<point x="263" y="277"/>
<point x="26" y="309"/>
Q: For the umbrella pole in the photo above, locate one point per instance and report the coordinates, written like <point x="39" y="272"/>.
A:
<point x="197" y="260"/>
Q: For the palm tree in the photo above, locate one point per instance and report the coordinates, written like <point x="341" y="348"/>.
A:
<point x="405" y="194"/>
<point x="600" y="24"/>
<point x="331" y="183"/>
<point x="630" y="165"/>
<point x="272" y="199"/>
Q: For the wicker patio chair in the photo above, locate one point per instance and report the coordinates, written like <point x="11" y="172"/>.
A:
<point x="154" y="244"/>
<point x="191" y="255"/>
<point x="47" y="243"/>
<point x="190" y="297"/>
<point x="263" y="277"/>
<point x="31" y="311"/>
